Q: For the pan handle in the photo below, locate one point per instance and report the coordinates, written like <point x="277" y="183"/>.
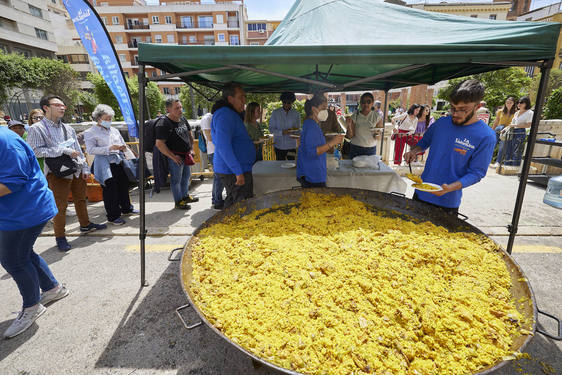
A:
<point x="559" y="337"/>
<point x="188" y="327"/>
<point x="170" y="256"/>
<point x="462" y="217"/>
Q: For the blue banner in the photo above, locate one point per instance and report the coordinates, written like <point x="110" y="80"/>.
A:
<point x="97" y="42"/>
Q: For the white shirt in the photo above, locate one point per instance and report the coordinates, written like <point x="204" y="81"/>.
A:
<point x="281" y="120"/>
<point x="98" y="140"/>
<point x="364" y="126"/>
<point x="519" y="120"/>
<point x="206" y="125"/>
<point x="407" y="123"/>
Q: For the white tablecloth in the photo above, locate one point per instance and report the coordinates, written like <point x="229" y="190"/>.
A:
<point x="269" y="177"/>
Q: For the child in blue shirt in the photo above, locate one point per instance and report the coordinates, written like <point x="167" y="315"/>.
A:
<point x="460" y="148"/>
<point x="311" y="160"/>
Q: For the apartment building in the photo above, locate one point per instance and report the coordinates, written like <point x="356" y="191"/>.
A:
<point x="195" y="22"/>
<point x="25" y="28"/>
<point x="258" y="31"/>
<point x="550" y="13"/>
<point x="493" y="10"/>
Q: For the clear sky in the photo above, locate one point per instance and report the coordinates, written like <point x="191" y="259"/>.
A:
<point x="268" y="9"/>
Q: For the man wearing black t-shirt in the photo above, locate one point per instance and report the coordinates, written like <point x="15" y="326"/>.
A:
<point x="174" y="140"/>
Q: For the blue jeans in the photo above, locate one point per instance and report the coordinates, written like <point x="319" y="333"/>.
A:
<point x="358" y="150"/>
<point x="30" y="272"/>
<point x="501" y="144"/>
<point x="217" y="199"/>
<point x="179" y="179"/>
<point x="514" y="148"/>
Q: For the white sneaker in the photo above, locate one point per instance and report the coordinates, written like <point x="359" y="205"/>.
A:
<point x="53" y="295"/>
<point x="24" y="320"/>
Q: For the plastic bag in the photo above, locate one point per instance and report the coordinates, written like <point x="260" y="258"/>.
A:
<point x="366" y="161"/>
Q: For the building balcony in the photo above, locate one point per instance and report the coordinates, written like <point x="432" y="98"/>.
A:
<point x="233" y="25"/>
<point x="132" y="44"/>
<point x="129" y="26"/>
<point x="184" y="43"/>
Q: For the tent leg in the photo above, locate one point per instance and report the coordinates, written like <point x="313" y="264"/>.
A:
<point x="545" y="70"/>
<point x="142" y="117"/>
<point x="384" y="114"/>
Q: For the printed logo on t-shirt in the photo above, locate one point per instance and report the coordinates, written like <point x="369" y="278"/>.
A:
<point x="462" y="146"/>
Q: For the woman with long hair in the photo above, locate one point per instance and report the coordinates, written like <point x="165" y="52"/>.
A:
<point x="424" y="122"/>
<point x="503" y="118"/>
<point x="405" y="126"/>
<point x="311" y="161"/>
<point x="361" y="128"/>
<point x="251" y="117"/>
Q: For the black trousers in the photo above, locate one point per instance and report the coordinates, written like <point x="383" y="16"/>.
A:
<point x="305" y="184"/>
<point x="116" y="193"/>
<point x="236" y="193"/>
<point x="452" y="211"/>
<point x="282" y="154"/>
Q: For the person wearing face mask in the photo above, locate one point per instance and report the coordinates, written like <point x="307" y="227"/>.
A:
<point x="460" y="148"/>
<point x="362" y="126"/>
<point x="108" y="146"/>
<point x="311" y="161"/>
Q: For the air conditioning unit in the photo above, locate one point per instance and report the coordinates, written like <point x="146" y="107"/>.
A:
<point x="262" y="31"/>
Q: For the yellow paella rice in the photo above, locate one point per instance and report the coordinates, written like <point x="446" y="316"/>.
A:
<point x="330" y="286"/>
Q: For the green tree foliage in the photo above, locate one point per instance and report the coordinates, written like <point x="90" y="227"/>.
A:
<point x="554" y="82"/>
<point x="500" y="84"/>
<point x="49" y="75"/>
<point x="553" y="106"/>
<point x="104" y="96"/>
<point x="198" y="98"/>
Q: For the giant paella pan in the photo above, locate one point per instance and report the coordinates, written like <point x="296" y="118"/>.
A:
<point x="379" y="309"/>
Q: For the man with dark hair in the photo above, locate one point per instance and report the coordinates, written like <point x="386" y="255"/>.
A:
<point x="234" y="150"/>
<point x="175" y="141"/>
<point x="460" y="148"/>
<point x="50" y="138"/>
<point x="281" y="122"/>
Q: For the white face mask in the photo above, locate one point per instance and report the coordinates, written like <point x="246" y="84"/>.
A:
<point x="322" y="115"/>
<point x="105" y="124"/>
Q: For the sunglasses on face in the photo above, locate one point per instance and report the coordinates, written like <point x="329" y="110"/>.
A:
<point x="38" y="118"/>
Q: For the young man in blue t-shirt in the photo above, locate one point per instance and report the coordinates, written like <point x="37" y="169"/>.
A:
<point x="461" y="148"/>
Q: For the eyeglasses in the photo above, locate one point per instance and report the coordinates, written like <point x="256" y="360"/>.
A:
<point x="38" y="118"/>
<point x="366" y="102"/>
<point x="461" y="111"/>
<point x="62" y="106"/>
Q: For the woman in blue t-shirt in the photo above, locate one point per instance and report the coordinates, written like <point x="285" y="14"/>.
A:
<point x="26" y="204"/>
<point x="311" y="161"/>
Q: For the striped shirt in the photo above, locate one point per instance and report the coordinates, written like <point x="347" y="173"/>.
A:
<point x="45" y="136"/>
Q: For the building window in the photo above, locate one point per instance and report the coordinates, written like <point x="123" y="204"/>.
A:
<point x="118" y="39"/>
<point x="35" y="11"/>
<point x="209" y="40"/>
<point x="254" y="43"/>
<point x="234" y="40"/>
<point x="206" y="22"/>
<point x="104" y="20"/>
<point x="115" y="20"/>
<point x="77" y="59"/>
<point x="221" y="37"/>
<point x="186" y="22"/>
<point x="177" y="90"/>
<point x="168" y="19"/>
<point x="166" y="91"/>
<point x="122" y="58"/>
<point x="24" y="52"/>
<point x="155" y="19"/>
<point x="127" y="74"/>
<point x="158" y="38"/>
<point x="149" y="39"/>
<point x="136" y="59"/>
<point x="493" y="16"/>
<point x="154" y="74"/>
<point x="170" y="38"/>
<point x="220" y="18"/>
<point x="256" y="26"/>
<point x="41" y="34"/>
<point x="192" y="39"/>
<point x="184" y="40"/>
<point x="474" y="15"/>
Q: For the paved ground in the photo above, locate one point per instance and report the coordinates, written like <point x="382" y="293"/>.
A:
<point x="109" y="325"/>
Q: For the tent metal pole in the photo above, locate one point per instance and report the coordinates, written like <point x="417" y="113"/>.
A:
<point x="545" y="70"/>
<point x="286" y="76"/>
<point x="384" y="114"/>
<point x="382" y="75"/>
<point x="186" y="74"/>
<point x="142" y="117"/>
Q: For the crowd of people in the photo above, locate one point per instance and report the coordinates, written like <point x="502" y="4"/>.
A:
<point x="49" y="163"/>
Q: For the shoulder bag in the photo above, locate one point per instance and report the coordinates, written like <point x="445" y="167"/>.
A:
<point x="61" y="166"/>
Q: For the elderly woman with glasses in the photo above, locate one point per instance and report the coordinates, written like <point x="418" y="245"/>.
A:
<point x="108" y="146"/>
<point x="35" y="116"/>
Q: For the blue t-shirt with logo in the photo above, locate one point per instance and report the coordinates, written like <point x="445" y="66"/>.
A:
<point x="456" y="153"/>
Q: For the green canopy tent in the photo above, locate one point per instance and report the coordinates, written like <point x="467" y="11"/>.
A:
<point x="356" y="45"/>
